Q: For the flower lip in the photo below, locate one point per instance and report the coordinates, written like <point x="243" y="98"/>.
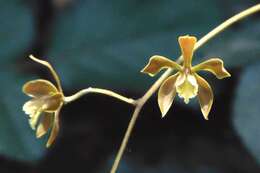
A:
<point x="186" y="86"/>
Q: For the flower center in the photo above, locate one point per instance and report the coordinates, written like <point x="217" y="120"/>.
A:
<point x="186" y="85"/>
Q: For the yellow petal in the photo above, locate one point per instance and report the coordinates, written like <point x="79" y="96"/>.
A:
<point x="39" y="87"/>
<point x="44" y="125"/>
<point x="167" y="93"/>
<point x="186" y="86"/>
<point x="215" y="66"/>
<point x="45" y="103"/>
<point x="31" y="106"/>
<point x="205" y="95"/>
<point x="157" y="63"/>
<point x="52" y="103"/>
<point x="187" y="44"/>
<point x="34" y="119"/>
<point x="55" y="129"/>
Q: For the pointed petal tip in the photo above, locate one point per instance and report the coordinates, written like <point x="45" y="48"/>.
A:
<point x="47" y="145"/>
<point x="50" y="142"/>
<point x="205" y="115"/>
<point x="163" y="113"/>
<point x="146" y="72"/>
<point x="166" y="94"/>
<point x="205" y="96"/>
<point x="39" y="135"/>
<point x="55" y="129"/>
<point x="164" y="110"/>
<point x="228" y="74"/>
<point x="205" y="112"/>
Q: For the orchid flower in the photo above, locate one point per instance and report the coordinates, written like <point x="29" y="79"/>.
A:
<point x="186" y="81"/>
<point x="44" y="107"/>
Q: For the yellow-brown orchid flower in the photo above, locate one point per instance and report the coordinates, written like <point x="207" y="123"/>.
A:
<point x="186" y="82"/>
<point x="44" y="107"/>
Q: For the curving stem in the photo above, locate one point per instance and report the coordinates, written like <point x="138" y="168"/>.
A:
<point x="83" y="92"/>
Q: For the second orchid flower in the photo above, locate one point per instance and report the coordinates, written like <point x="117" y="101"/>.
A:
<point x="44" y="107"/>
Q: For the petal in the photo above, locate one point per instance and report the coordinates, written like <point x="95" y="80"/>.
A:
<point x="45" y="103"/>
<point x="157" y="63"/>
<point x="32" y="106"/>
<point x="55" y="129"/>
<point x="52" y="103"/>
<point x="39" y="87"/>
<point x="167" y="93"/>
<point x="215" y="66"/>
<point x="186" y="86"/>
<point x="205" y="95"/>
<point x="34" y="118"/>
<point x="187" y="44"/>
<point x="44" y="125"/>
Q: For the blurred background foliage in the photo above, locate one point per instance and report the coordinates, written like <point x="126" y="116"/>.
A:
<point x="106" y="44"/>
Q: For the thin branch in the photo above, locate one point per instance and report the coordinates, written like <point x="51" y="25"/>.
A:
<point x="137" y="110"/>
<point x="98" y="91"/>
<point x="227" y="23"/>
<point x="156" y="85"/>
<point x="49" y="66"/>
